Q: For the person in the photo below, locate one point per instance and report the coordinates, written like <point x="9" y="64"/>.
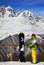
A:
<point x="33" y="47"/>
<point x="21" y="47"/>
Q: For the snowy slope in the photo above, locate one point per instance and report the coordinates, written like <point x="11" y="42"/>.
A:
<point x="14" y="25"/>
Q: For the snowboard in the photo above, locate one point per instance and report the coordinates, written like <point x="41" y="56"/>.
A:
<point x="21" y="47"/>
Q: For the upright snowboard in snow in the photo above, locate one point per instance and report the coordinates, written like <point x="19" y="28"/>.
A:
<point x="21" y="47"/>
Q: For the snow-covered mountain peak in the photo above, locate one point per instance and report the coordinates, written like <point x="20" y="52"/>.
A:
<point x="9" y="7"/>
<point x="26" y="13"/>
<point x="6" y="12"/>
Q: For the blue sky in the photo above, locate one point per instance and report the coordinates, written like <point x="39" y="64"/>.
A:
<point x="35" y="6"/>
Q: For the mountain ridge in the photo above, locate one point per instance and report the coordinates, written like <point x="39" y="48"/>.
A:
<point x="10" y="25"/>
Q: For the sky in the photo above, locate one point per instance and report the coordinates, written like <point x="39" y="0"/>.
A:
<point x="35" y="6"/>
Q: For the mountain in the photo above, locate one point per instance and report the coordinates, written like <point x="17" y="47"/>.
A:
<point x="6" y="12"/>
<point x="11" y="24"/>
<point x="25" y="13"/>
<point x="29" y="15"/>
<point x="25" y="22"/>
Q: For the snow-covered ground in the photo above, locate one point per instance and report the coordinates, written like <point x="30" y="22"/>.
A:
<point x="20" y="63"/>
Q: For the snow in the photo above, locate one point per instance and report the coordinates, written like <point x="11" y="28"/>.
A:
<point x="26" y="13"/>
<point x="9" y="7"/>
<point x="15" y="25"/>
<point x="20" y="63"/>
